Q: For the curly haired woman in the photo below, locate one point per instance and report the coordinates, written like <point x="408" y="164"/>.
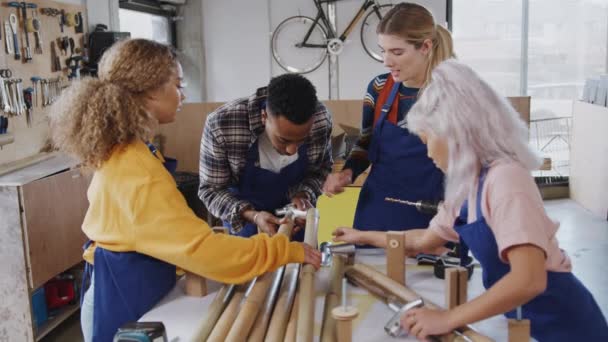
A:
<point x="139" y="225"/>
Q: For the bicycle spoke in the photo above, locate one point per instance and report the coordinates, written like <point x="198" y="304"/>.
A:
<point x="290" y="50"/>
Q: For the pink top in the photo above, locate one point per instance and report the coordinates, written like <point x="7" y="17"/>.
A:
<point x="513" y="208"/>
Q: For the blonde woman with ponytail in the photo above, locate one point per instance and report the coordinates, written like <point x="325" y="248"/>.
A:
<point x="412" y="44"/>
<point x="139" y="225"/>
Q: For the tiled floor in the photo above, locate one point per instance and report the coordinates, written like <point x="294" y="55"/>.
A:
<point x="582" y="235"/>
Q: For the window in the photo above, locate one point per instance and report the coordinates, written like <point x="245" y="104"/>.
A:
<point x="567" y="43"/>
<point x="147" y="19"/>
<point x="487" y="36"/>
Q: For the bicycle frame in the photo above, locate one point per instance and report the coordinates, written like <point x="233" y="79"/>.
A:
<point x="321" y="16"/>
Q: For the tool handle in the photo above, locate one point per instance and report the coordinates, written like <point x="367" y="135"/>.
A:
<point x="13" y="4"/>
<point x="16" y="46"/>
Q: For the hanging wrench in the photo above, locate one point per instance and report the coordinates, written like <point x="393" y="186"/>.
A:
<point x="8" y="38"/>
<point x="13" y="21"/>
<point x="20" y="94"/>
<point x="5" y="101"/>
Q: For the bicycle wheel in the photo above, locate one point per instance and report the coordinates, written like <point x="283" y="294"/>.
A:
<point x="369" y="38"/>
<point x="286" y="45"/>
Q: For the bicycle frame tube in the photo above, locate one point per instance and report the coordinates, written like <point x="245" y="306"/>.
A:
<point x="367" y="4"/>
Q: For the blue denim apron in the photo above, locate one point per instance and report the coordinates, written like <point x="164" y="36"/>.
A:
<point x="267" y="190"/>
<point x="566" y="311"/>
<point x="400" y="169"/>
<point x="127" y="284"/>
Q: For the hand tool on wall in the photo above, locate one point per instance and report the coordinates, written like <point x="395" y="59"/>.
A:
<point x="27" y="99"/>
<point x="6" y="104"/>
<point x="33" y="25"/>
<point x="24" y="6"/>
<point x="55" y="62"/>
<point x="64" y="44"/>
<point x="8" y="38"/>
<point x="13" y="20"/>
<point x="3" y="124"/>
<point x="62" y="20"/>
<point x="35" y="81"/>
<point x="19" y="89"/>
<point x="73" y="63"/>
<point x="79" y="28"/>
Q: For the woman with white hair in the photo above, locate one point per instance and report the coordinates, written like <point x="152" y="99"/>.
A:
<point x="479" y="141"/>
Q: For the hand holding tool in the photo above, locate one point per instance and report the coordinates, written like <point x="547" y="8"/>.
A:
<point x="393" y="326"/>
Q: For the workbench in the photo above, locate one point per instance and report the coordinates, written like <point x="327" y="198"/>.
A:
<point x="182" y="315"/>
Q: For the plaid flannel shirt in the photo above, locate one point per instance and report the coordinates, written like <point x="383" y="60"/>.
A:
<point x="229" y="133"/>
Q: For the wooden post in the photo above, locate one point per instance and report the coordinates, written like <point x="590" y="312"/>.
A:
<point x="344" y="317"/>
<point x="292" y="324"/>
<point x="253" y="304"/>
<point x="306" y="309"/>
<point x="451" y="288"/>
<point x="519" y="329"/>
<point x="395" y="256"/>
<point x="214" y="312"/>
<point x="328" y="328"/>
<point x="456" y="286"/>
<point x="463" y="285"/>
<point x="196" y="285"/>
<point x="223" y="325"/>
<point x="284" y="305"/>
<point x="386" y="288"/>
<point x="258" y="332"/>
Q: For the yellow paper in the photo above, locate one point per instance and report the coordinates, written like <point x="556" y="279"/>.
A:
<point x="337" y="211"/>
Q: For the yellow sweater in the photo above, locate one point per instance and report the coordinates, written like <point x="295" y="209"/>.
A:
<point x="134" y="205"/>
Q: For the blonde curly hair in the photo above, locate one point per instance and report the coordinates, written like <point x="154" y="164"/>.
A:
<point x="96" y="115"/>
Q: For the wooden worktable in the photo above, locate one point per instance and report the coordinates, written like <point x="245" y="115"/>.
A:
<point x="182" y="314"/>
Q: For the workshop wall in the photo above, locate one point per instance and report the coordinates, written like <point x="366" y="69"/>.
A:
<point x="237" y="46"/>
<point x="30" y="138"/>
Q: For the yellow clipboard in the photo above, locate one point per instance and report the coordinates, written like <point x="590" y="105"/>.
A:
<point x="337" y="211"/>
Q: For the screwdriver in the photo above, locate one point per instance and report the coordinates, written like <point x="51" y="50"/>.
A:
<point x="425" y="207"/>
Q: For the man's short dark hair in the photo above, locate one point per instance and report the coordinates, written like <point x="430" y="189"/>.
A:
<point x="293" y="97"/>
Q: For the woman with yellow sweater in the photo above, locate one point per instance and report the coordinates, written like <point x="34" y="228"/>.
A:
<point x="139" y="225"/>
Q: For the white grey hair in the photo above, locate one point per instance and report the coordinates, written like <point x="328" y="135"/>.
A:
<point x="479" y="125"/>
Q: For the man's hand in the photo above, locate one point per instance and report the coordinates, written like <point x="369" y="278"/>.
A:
<point x="267" y="223"/>
<point x="301" y="202"/>
<point x="335" y="182"/>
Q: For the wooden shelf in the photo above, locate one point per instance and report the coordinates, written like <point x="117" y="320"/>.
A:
<point x="53" y="322"/>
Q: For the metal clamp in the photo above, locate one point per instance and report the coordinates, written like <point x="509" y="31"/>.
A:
<point x="393" y="326"/>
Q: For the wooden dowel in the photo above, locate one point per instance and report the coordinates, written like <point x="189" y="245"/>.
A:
<point x="306" y="307"/>
<point x="196" y="286"/>
<point x="451" y="288"/>
<point x="332" y="298"/>
<point x="385" y="287"/>
<point x="255" y="300"/>
<point x="283" y="307"/>
<point x="258" y="332"/>
<point x="221" y="300"/>
<point x="223" y="325"/>
<point x="395" y="256"/>
<point x="292" y="325"/>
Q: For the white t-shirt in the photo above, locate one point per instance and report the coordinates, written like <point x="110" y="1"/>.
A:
<point x="270" y="159"/>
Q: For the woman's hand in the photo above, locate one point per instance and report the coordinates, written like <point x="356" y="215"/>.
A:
<point x="335" y="182"/>
<point x="348" y="235"/>
<point x="312" y="256"/>
<point x="424" y="322"/>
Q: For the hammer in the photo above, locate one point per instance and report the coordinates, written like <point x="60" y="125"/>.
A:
<point x="24" y="6"/>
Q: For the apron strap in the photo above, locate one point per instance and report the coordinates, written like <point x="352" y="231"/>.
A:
<point x="386" y="107"/>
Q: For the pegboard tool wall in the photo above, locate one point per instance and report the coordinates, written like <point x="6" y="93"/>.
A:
<point x="29" y="140"/>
